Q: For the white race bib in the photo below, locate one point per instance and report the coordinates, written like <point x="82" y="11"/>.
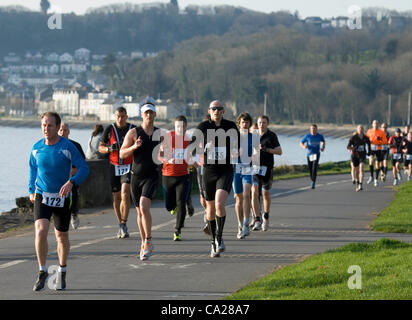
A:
<point x="217" y="154"/>
<point x="396" y="156"/>
<point x="374" y="147"/>
<point x="260" y="170"/>
<point x="247" y="171"/>
<point x="179" y="154"/>
<point x="121" y="169"/>
<point x="53" y="200"/>
<point x="385" y="147"/>
<point x="313" y="157"/>
<point x="361" y="148"/>
<point x="409" y="157"/>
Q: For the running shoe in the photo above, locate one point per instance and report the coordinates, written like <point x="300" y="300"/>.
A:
<point x="376" y="183"/>
<point x="148" y="248"/>
<point x="252" y="222"/>
<point x="370" y="180"/>
<point x="257" y="226"/>
<point x="213" y="251"/>
<point x="60" y="281"/>
<point x="41" y="281"/>
<point x="245" y="230"/>
<point x="220" y="245"/>
<point x="353" y="181"/>
<point x="142" y="257"/>
<point x="240" y="234"/>
<point x="177" y="236"/>
<point x="119" y="233"/>
<point x="383" y="177"/>
<point x="265" y="224"/>
<point x="395" y="182"/>
<point x="358" y="188"/>
<point x="123" y="231"/>
<point x="173" y="212"/>
<point x="313" y="184"/>
<point x="75" y="221"/>
<point x="409" y="178"/>
<point x="399" y="176"/>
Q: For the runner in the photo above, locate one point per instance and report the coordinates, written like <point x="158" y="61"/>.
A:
<point x="176" y="184"/>
<point x="199" y="176"/>
<point x="75" y="221"/>
<point x="396" y="142"/>
<point x="357" y="145"/>
<point x="139" y="143"/>
<point x="407" y="150"/>
<point x="256" y="221"/>
<point x="50" y="186"/>
<point x="406" y="162"/>
<point x="243" y="177"/>
<point x="385" y="153"/>
<point x="269" y="146"/>
<point x="377" y="138"/>
<point x="315" y="143"/>
<point x="218" y="170"/>
<point x="112" y="140"/>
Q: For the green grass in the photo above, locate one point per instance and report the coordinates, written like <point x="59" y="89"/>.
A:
<point x="299" y="171"/>
<point x="385" y="266"/>
<point x="397" y="217"/>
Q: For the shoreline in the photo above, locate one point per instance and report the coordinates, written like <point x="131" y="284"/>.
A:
<point x="328" y="130"/>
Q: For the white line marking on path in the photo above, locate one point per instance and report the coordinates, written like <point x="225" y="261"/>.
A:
<point x="11" y="263"/>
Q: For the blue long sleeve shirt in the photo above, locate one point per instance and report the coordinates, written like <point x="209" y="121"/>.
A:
<point x="50" y="166"/>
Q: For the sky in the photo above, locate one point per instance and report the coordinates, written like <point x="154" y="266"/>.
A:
<point x="322" y="8"/>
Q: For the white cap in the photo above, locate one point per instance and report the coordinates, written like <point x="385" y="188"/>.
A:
<point x="146" y="107"/>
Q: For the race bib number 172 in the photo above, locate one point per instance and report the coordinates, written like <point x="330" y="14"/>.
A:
<point x="53" y="200"/>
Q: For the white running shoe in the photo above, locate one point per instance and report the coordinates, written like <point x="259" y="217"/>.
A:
<point x="376" y="183"/>
<point x="147" y="249"/>
<point x="265" y="224"/>
<point x="220" y="245"/>
<point x="240" y="233"/>
<point x="213" y="251"/>
<point x="370" y="180"/>
<point x="395" y="182"/>
<point x="257" y="226"/>
<point x="399" y="176"/>
<point x="245" y="231"/>
<point x="75" y="221"/>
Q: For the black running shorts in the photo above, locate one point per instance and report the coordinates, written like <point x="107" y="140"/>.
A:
<point x="61" y="216"/>
<point x="117" y="181"/>
<point x="143" y="187"/>
<point x="215" y="179"/>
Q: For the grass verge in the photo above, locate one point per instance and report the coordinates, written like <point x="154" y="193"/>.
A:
<point x="385" y="274"/>
<point x="397" y="217"/>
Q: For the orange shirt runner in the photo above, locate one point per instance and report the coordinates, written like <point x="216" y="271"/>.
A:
<point x="377" y="138"/>
<point x="175" y="163"/>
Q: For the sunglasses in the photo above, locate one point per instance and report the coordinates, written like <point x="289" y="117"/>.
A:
<point x="216" y="108"/>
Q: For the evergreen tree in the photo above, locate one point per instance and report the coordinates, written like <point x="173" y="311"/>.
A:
<point x="45" y="6"/>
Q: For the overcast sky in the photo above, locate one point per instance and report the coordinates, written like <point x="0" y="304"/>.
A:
<point x="322" y="8"/>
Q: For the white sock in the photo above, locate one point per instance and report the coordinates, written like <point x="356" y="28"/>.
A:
<point x="62" y="269"/>
<point x="43" y="268"/>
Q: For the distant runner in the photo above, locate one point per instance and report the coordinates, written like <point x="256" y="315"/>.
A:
<point x="385" y="152"/>
<point x="397" y="142"/>
<point x="377" y="137"/>
<point x="407" y="150"/>
<point x="357" y="145"/>
<point x="314" y="143"/>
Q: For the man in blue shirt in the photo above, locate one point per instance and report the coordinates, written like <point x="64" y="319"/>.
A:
<point x="50" y="186"/>
<point x="314" y="143"/>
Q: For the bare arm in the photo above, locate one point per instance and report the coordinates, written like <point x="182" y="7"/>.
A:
<point x="130" y="144"/>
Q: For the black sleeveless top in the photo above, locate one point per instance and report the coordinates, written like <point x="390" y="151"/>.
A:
<point x="143" y="165"/>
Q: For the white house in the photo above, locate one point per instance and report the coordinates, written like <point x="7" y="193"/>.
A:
<point x="53" y="57"/>
<point x="66" y="58"/>
<point x="82" y="54"/>
<point x="66" y="102"/>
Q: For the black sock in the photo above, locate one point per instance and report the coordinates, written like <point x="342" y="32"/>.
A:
<point x="371" y="170"/>
<point x="220" y="225"/>
<point x="384" y="170"/>
<point x="257" y="218"/>
<point x="266" y="215"/>
<point x="377" y="174"/>
<point x="212" y="229"/>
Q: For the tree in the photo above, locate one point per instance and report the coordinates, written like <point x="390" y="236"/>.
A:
<point x="45" y="6"/>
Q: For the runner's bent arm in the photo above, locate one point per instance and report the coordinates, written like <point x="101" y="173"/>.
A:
<point x="130" y="144"/>
<point x="32" y="176"/>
